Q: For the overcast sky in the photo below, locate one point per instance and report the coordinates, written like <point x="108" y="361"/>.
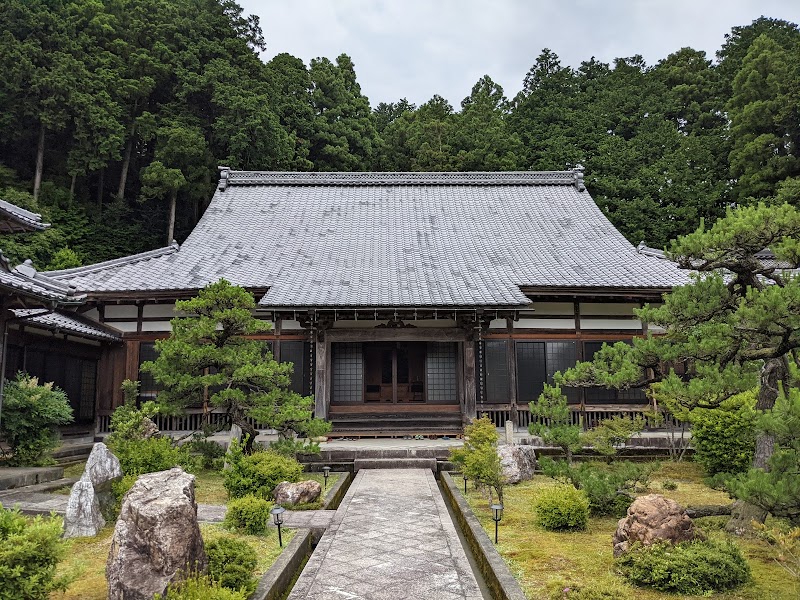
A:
<point x="417" y="48"/>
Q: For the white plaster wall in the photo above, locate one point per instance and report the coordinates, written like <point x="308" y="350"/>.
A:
<point x="632" y="324"/>
<point x="607" y="309"/>
<point x="156" y="326"/>
<point x="159" y="310"/>
<point x="121" y="311"/>
<point x="545" y="324"/>
<point x="550" y="309"/>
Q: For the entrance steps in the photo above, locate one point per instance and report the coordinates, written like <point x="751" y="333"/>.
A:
<point x="395" y="423"/>
<point x="394" y="463"/>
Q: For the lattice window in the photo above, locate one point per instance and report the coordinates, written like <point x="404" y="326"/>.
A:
<point x="537" y="362"/>
<point x="347" y="372"/>
<point x="440" y="368"/>
<point x="88" y="389"/>
<point x="148" y="388"/>
<point x="297" y="352"/>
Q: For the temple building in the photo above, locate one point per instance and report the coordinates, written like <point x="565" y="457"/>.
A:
<point x="408" y="302"/>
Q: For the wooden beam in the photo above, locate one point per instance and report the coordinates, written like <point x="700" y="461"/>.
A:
<point x="397" y="334"/>
<point x="321" y="378"/>
<point x="470" y="396"/>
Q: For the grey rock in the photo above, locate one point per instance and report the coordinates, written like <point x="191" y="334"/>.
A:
<point x="654" y="518"/>
<point x="149" y="429"/>
<point x="102" y="468"/>
<point x="517" y="461"/>
<point x="301" y="492"/>
<point x="83" y="517"/>
<point x="157" y="539"/>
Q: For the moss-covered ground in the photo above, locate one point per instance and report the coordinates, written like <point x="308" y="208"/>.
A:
<point x="546" y="563"/>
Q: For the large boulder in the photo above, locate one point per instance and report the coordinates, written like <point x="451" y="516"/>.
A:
<point x="301" y="492"/>
<point x="651" y="519"/>
<point x="83" y="517"/>
<point x="157" y="539"/>
<point x="149" y="429"/>
<point x="517" y="461"/>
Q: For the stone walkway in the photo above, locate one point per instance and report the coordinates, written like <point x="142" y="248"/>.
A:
<point x="391" y="539"/>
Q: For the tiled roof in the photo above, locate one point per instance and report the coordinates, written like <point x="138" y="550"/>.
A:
<point x="24" y="281"/>
<point x="14" y="219"/>
<point x="392" y="239"/>
<point x="64" y="323"/>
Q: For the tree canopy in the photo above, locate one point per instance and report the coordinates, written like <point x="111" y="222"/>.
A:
<point x="116" y="114"/>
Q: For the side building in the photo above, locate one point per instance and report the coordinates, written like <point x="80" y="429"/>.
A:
<point x="406" y="301"/>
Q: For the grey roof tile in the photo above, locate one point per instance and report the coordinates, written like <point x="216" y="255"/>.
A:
<point x="392" y="239"/>
<point x="57" y="321"/>
<point x="26" y="282"/>
<point x="14" y="219"/>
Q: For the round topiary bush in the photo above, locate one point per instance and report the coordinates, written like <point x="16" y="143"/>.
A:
<point x="248" y="515"/>
<point x="231" y="563"/>
<point x="257" y="474"/>
<point x="561" y="508"/>
<point x="724" y="438"/>
<point x="699" y="567"/>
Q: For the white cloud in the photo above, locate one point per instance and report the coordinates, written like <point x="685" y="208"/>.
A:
<point x="417" y="48"/>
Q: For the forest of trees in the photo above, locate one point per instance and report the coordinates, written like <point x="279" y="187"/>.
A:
<point x="114" y="115"/>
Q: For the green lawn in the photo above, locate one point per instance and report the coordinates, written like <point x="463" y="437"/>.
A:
<point x="209" y="488"/>
<point x="545" y="563"/>
<point x="86" y="557"/>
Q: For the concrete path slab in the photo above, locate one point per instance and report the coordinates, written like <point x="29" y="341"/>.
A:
<point x="391" y="539"/>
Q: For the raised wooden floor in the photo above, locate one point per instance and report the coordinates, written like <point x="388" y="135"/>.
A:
<point x="395" y="420"/>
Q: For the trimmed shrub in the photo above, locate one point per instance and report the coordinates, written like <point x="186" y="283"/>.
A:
<point x="198" y="587"/>
<point x="206" y="454"/>
<point x="30" y="549"/>
<point x="137" y="457"/>
<point x="609" y="488"/>
<point x="593" y="591"/>
<point x="248" y="515"/>
<point x="231" y="563"/>
<point x="257" y="474"/>
<point x="699" y="567"/>
<point x="724" y="438"/>
<point x="31" y="414"/>
<point x="668" y="484"/>
<point x="561" y="508"/>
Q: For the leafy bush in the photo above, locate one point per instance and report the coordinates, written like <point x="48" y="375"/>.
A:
<point x="609" y="488"/>
<point x="561" y="508"/>
<point x="30" y="549"/>
<point x="31" y="414"/>
<point x="137" y="457"/>
<point x="257" y="474"/>
<point x="248" y="514"/>
<point x="668" y="484"/>
<point x="478" y="458"/>
<point x="698" y="567"/>
<point x="206" y="454"/>
<point x="724" y="438"/>
<point x="121" y="487"/>
<point x="198" y="587"/>
<point x="611" y="434"/>
<point x="553" y="422"/>
<point x="231" y="563"/>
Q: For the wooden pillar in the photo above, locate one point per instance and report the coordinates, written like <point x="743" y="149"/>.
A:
<point x="470" y="395"/>
<point x="511" y="355"/>
<point x="321" y="377"/>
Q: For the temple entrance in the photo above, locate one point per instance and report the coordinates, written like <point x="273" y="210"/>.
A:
<point x="394" y="372"/>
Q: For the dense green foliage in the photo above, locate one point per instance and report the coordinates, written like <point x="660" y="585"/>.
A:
<point x="30" y="549"/>
<point x="209" y="349"/>
<point x="551" y="420"/>
<point x="257" y="474"/>
<point x="31" y="415"/>
<point x="231" y="563"/>
<point x="700" y="567"/>
<point x="478" y="458"/>
<point x="561" y="508"/>
<point x="776" y="489"/>
<point x="197" y="587"/>
<point x="609" y="488"/>
<point x="248" y="514"/>
<point x="611" y="434"/>
<point x="130" y="105"/>
<point x="724" y="439"/>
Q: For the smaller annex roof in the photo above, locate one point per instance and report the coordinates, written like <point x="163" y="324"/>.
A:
<point x="14" y="219"/>
<point x="25" y="282"/>
<point x="65" y="323"/>
<point x="392" y="240"/>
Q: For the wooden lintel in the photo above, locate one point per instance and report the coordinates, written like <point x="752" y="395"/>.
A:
<point x="398" y="334"/>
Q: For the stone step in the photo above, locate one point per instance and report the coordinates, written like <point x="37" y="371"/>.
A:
<point x="394" y="463"/>
<point x="16" y="477"/>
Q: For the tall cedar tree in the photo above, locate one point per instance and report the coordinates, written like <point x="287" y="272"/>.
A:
<point x="209" y="351"/>
<point x="735" y="326"/>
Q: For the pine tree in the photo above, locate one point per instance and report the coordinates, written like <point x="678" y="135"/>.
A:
<point x="209" y="351"/>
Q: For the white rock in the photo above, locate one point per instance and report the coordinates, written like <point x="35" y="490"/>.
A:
<point x="83" y="517"/>
<point x="517" y="461"/>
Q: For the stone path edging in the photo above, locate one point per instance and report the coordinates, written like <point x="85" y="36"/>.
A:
<point x="494" y="569"/>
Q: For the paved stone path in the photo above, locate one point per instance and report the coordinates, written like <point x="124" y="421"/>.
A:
<point x="391" y="539"/>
